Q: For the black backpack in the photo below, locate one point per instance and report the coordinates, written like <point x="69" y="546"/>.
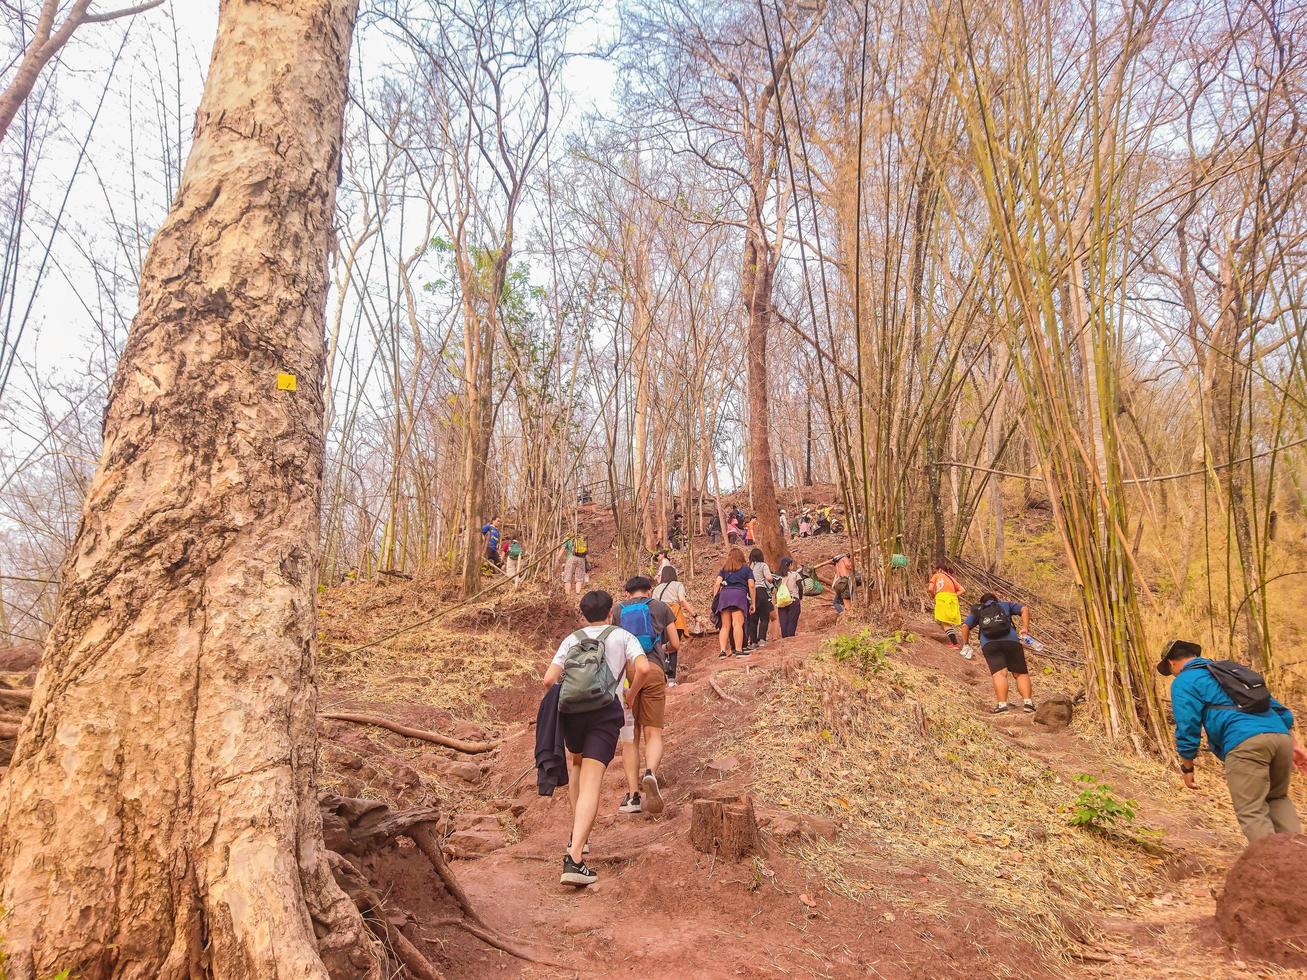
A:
<point x="992" y="620"/>
<point x="1246" y="687"/>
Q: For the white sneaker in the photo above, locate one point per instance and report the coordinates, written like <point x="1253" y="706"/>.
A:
<point x="630" y="803"/>
<point x="653" y="800"/>
<point x="968" y="653"/>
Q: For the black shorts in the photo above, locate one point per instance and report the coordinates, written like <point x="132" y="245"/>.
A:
<point x="593" y="734"/>
<point x="1004" y="655"/>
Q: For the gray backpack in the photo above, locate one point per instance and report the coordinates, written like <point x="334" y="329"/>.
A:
<point x="587" y="682"/>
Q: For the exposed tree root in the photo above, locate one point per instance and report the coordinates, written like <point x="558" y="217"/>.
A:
<point x="458" y="744"/>
<point x="9" y="729"/>
<point x="712" y="682"/>
<point x="425" y="838"/>
<point x="499" y="942"/>
<point x="356" y="886"/>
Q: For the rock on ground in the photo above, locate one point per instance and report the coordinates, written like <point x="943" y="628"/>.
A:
<point x="1054" y="712"/>
<point x="1262" y="911"/>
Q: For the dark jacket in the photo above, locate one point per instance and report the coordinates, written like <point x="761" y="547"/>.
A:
<point x="1193" y="694"/>
<point x="551" y="756"/>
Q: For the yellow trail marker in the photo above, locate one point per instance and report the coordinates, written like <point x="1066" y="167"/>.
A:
<point x="286" y="382"/>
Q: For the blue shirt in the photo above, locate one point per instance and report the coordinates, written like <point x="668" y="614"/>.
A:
<point x="492" y="536"/>
<point x="1193" y="690"/>
<point x="1013" y="609"/>
<point x="740" y="578"/>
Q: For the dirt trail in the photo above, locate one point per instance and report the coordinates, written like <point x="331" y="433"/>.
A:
<point x="663" y="909"/>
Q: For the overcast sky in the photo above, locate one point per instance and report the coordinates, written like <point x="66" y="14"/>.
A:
<point x="69" y="314"/>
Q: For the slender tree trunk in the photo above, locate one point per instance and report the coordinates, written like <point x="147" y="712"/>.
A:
<point x="160" y="818"/>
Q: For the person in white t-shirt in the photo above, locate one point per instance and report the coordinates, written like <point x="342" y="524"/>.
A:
<point x="591" y="736"/>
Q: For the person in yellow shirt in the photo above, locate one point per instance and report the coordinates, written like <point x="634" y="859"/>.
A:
<point x="948" y="610"/>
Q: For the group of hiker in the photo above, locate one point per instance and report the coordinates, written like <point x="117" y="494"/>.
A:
<point x="607" y="682"/>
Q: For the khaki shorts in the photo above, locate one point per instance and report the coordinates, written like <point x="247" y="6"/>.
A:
<point x="651" y="703"/>
<point x="574" y="572"/>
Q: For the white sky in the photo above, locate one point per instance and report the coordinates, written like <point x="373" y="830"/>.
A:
<point x="62" y="328"/>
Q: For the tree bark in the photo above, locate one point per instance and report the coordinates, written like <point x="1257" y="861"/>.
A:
<point x="160" y="818"/>
<point x="757" y="290"/>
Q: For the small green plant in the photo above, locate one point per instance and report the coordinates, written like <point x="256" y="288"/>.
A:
<point x="1098" y="809"/>
<point x="869" y="654"/>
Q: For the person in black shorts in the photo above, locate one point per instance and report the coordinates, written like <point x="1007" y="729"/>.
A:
<point x="590" y="737"/>
<point x="1000" y="645"/>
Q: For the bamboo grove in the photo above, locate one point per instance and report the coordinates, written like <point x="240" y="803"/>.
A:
<point x="956" y="259"/>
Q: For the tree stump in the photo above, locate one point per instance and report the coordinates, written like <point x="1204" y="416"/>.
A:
<point x="727" y="828"/>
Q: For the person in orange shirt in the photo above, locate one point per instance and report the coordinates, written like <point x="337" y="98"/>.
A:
<point x="751" y="530"/>
<point x="948" y="610"/>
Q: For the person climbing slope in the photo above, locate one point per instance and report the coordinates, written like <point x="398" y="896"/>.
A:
<point x="714" y="529"/>
<point x="842" y="586"/>
<point x="948" y="611"/>
<point x="653" y="624"/>
<point x="490" y="538"/>
<point x="755" y="627"/>
<point x="591" y="663"/>
<point x="789" y="596"/>
<point x="513" y="558"/>
<point x="671" y="591"/>
<point x="1000" y="645"/>
<point x="576" y="568"/>
<point x="733" y="599"/>
<point x="1247" y="729"/>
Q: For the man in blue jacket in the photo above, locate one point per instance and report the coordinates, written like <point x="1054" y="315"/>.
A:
<point x="1258" y="750"/>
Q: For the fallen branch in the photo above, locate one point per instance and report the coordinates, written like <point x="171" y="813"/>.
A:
<point x="499" y="942"/>
<point x="425" y="838"/>
<point x="458" y="744"/>
<point x="712" y="682"/>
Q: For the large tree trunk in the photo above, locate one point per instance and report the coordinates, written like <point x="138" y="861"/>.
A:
<point x="160" y="818"/>
<point x="757" y="286"/>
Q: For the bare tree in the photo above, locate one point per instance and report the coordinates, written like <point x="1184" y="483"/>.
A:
<point x="49" y="35"/>
<point x="160" y="818"/>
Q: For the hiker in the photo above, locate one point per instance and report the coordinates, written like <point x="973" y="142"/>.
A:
<point x="591" y="664"/>
<point x="513" y="559"/>
<point x="676" y="536"/>
<point x="948" y="613"/>
<point x="789" y="596"/>
<point x="490" y="535"/>
<point x="1247" y="729"/>
<point x="751" y="530"/>
<point x="576" y="567"/>
<point x="1000" y="645"/>
<point x="714" y="529"/>
<point x="755" y="627"/>
<point x="732" y="530"/>
<point x="805" y="525"/>
<point x="671" y="592"/>
<point x="785" y="524"/>
<point x="734" y="597"/>
<point x="662" y="559"/>
<point x="842" y="586"/>
<point x="653" y="624"/>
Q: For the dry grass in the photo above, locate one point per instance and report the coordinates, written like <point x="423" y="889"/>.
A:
<point x="451" y="662"/>
<point x="957" y="802"/>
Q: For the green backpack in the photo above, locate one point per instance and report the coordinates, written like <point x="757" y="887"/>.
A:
<point x="813" y="586"/>
<point x="515" y="550"/>
<point x="587" y="682"/>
